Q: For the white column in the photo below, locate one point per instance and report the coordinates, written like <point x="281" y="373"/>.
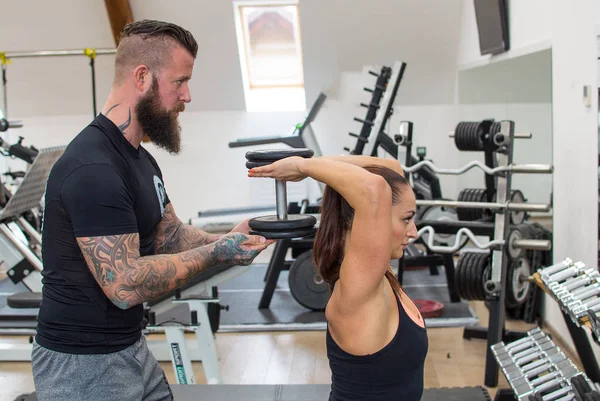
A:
<point x="575" y="139"/>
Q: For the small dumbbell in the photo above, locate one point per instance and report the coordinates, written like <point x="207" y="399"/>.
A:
<point x="557" y="267"/>
<point x="282" y="225"/>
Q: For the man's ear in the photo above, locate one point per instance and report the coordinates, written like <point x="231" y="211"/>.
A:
<point x="142" y="78"/>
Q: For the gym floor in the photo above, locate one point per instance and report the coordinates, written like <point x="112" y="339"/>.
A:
<point x="300" y="358"/>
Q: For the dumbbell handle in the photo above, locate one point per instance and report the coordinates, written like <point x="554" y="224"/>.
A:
<point x="281" y="199"/>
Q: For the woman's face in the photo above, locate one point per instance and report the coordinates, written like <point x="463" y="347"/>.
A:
<point x="403" y="224"/>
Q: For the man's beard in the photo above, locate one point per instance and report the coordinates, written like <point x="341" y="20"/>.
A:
<point x="160" y="125"/>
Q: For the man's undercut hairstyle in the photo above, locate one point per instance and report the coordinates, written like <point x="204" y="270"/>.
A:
<point x="150" y="42"/>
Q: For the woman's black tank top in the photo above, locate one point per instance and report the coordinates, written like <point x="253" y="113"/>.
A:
<point x="393" y="373"/>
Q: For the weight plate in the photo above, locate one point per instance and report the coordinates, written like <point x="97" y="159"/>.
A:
<point x="278" y="154"/>
<point x="464" y="213"/>
<point x="428" y="308"/>
<point x="479" y="281"/>
<point x="440" y="213"/>
<point x="306" y="285"/>
<point x="273" y="223"/>
<point x="517" y="196"/>
<point x="471" y="282"/>
<point x="516" y="233"/>
<point x="517" y="284"/>
<point x="250" y="165"/>
<point x="464" y="275"/>
<point x="461" y="275"/>
<point x="287" y="234"/>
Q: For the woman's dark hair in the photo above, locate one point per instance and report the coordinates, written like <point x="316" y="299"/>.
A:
<point x="336" y="220"/>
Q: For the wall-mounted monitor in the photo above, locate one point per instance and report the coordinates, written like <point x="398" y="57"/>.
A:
<point x="492" y="26"/>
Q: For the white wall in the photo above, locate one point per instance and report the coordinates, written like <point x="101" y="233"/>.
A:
<point x="528" y="24"/>
<point x="575" y="155"/>
<point x="337" y="37"/>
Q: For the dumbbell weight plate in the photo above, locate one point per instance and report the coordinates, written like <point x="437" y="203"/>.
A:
<point x="287" y="234"/>
<point x="278" y="154"/>
<point x="273" y="223"/>
<point x="516" y="196"/>
<point x="306" y="285"/>
<point x="517" y="285"/>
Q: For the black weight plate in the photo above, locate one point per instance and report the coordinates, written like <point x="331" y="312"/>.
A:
<point x="306" y="285"/>
<point x="288" y="234"/>
<point x="278" y="154"/>
<point x="463" y="213"/>
<point x="465" y="263"/>
<point x="250" y="165"/>
<point x="458" y="135"/>
<point x="463" y="277"/>
<point x="482" y="265"/>
<point x="474" y="277"/>
<point x="458" y="270"/>
<point x="273" y="223"/>
<point x="472" y="198"/>
<point x="471" y="280"/>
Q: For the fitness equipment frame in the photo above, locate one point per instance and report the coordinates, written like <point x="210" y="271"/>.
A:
<point x="91" y="53"/>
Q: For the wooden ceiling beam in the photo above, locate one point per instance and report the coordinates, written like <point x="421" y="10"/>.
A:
<point x="119" y="15"/>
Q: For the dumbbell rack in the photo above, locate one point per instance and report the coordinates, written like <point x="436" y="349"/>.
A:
<point x="576" y="289"/>
<point x="478" y="138"/>
<point x="537" y="369"/>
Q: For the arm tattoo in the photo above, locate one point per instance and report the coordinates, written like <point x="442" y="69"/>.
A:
<point x="173" y="236"/>
<point x="129" y="279"/>
<point x="109" y="110"/>
<point x="231" y="245"/>
<point x="124" y="126"/>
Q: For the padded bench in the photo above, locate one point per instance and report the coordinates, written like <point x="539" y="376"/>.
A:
<point x="24" y="300"/>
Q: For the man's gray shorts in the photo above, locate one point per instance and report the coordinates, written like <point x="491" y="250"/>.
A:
<point x="130" y="374"/>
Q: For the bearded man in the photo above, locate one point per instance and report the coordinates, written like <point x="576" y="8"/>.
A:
<point x="111" y="239"/>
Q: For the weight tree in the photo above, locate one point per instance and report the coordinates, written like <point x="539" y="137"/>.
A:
<point x="493" y="284"/>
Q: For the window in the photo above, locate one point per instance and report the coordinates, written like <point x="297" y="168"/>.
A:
<point x="270" y="55"/>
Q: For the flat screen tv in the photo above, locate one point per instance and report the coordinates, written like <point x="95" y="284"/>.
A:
<point x="492" y="26"/>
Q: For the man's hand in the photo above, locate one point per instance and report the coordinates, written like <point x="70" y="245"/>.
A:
<point x="244" y="228"/>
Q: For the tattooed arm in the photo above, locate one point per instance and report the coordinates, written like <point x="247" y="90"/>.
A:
<point x="173" y="236"/>
<point x="128" y="279"/>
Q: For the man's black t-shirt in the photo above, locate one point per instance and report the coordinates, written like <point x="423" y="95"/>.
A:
<point x="102" y="185"/>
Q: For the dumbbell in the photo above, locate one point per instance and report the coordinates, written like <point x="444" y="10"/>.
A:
<point x="282" y="225"/>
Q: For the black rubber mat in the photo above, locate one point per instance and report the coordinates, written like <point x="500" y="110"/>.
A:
<point x="294" y="392"/>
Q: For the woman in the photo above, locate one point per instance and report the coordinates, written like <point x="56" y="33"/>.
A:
<point x="376" y="338"/>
